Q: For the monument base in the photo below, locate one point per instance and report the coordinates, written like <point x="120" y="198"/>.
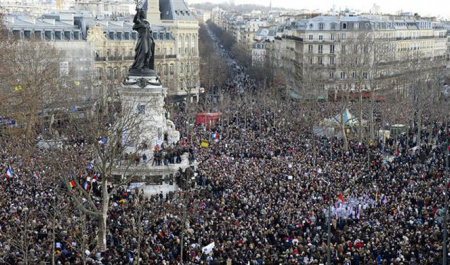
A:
<point x="143" y="94"/>
<point x="153" y="179"/>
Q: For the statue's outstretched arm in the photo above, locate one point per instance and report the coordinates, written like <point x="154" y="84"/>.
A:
<point x="136" y="19"/>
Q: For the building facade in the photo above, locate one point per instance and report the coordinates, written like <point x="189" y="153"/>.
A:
<point x="176" y="16"/>
<point x="111" y="42"/>
<point x="384" y="47"/>
<point x="350" y="52"/>
<point x="258" y="53"/>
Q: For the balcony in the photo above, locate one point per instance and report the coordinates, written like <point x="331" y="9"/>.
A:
<point x="168" y="56"/>
<point x="129" y="58"/>
<point x="114" y="58"/>
<point x="292" y="38"/>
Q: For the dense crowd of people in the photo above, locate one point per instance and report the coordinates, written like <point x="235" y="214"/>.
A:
<point x="262" y="194"/>
<point x="266" y="191"/>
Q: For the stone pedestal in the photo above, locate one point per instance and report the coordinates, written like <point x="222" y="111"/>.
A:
<point x="144" y="94"/>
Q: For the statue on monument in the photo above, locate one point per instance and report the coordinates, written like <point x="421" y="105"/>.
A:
<point x="144" y="59"/>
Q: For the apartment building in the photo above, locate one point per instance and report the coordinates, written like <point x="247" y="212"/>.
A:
<point x="339" y="49"/>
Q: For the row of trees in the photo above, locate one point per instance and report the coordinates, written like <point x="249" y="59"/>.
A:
<point x="213" y="69"/>
<point x="261" y="73"/>
<point x="373" y="74"/>
<point x="380" y="83"/>
<point x="41" y="119"/>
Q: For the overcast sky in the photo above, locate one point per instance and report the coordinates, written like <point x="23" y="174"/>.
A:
<point x="424" y="8"/>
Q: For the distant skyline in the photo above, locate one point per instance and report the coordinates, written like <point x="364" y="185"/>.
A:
<point x="428" y="8"/>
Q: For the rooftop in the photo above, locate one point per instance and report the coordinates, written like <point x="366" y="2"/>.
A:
<point x="175" y="10"/>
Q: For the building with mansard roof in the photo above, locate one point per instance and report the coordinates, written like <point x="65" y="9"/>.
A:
<point x="382" y="49"/>
<point x="110" y="43"/>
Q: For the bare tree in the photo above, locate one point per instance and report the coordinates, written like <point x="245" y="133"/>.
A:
<point x="311" y="90"/>
<point x="100" y="139"/>
<point x="381" y="61"/>
<point x="30" y="82"/>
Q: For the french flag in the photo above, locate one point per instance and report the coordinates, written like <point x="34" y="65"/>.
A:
<point x="9" y="174"/>
<point x="86" y="186"/>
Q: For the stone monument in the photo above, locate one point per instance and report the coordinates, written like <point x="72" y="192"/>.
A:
<point x="142" y="93"/>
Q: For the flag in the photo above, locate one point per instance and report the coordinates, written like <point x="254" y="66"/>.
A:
<point x="204" y="143"/>
<point x="341" y="197"/>
<point x="208" y="248"/>
<point x="9" y="174"/>
<point x="86" y="186"/>
<point x="72" y="184"/>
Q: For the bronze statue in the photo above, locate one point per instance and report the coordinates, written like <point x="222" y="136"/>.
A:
<point x="144" y="59"/>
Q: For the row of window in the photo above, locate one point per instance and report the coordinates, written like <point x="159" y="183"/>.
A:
<point x="187" y="43"/>
<point x="356" y="48"/>
<point x="132" y="35"/>
<point x="128" y="54"/>
<point x="48" y="34"/>
<point x="332" y="37"/>
<point x="164" y="69"/>
<point x="333" y="26"/>
<point x="354" y="61"/>
<point x="320" y="48"/>
<point x="375" y="25"/>
<point x="188" y="51"/>
<point x="321" y="62"/>
<point x="400" y="35"/>
<point x="343" y="75"/>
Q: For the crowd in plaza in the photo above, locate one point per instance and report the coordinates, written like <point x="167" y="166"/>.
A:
<point x="260" y="196"/>
<point x="263" y="193"/>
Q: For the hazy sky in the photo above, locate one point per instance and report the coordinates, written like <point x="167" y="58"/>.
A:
<point x="424" y="8"/>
